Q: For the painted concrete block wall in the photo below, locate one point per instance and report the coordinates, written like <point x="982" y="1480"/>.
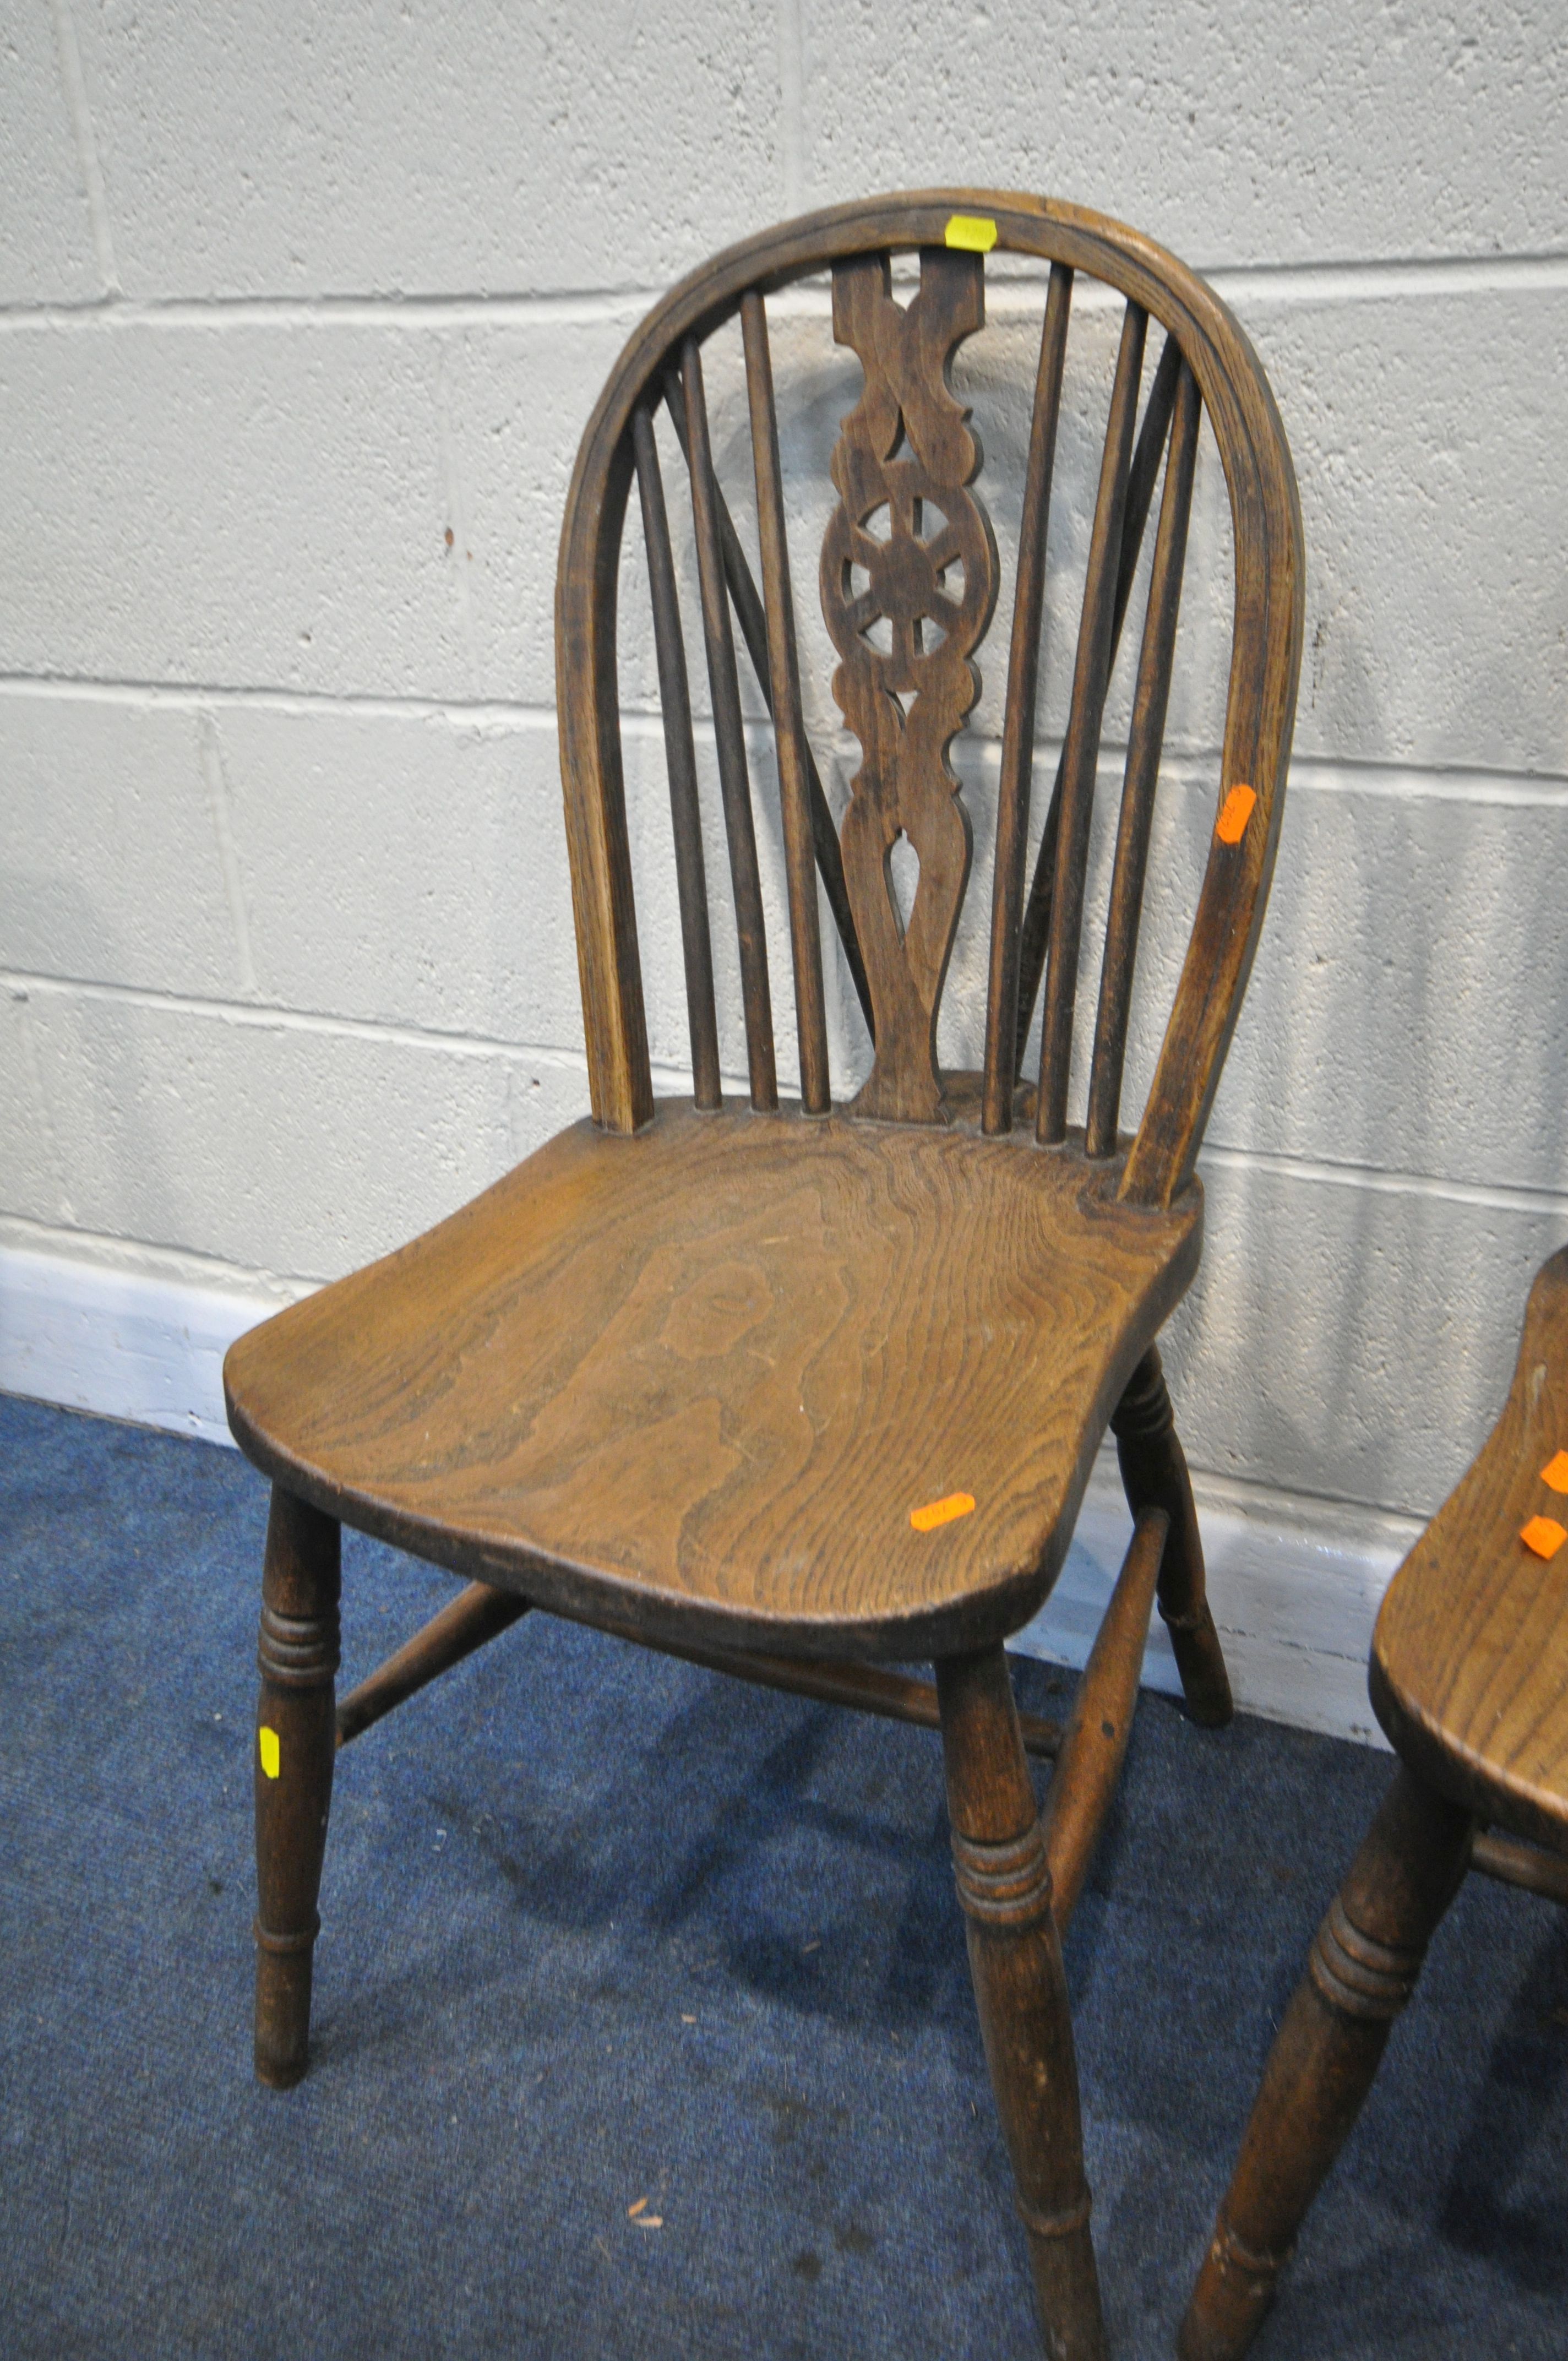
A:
<point x="301" y="314"/>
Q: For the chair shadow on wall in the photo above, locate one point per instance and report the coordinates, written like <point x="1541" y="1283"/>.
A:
<point x="1417" y="1088"/>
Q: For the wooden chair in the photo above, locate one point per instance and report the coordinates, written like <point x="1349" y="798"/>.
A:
<point x="792" y="1388"/>
<point x="1469" y="1677"/>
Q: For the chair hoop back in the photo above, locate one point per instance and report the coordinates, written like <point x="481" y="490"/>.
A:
<point x="907" y="602"/>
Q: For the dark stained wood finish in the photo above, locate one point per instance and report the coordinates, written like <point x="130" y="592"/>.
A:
<point x="863" y="1689"/>
<point x="1141" y="479"/>
<point x="1470" y="1657"/>
<point x="686" y="1374"/>
<point x="1018" y="726"/>
<point x="1469" y="1677"/>
<point x="477" y="1615"/>
<point x="1145" y="743"/>
<point x="680" y="757"/>
<point x="905" y="447"/>
<point x="480" y="1613"/>
<point x="789" y="730"/>
<point x="295" y="1741"/>
<point x="1154" y="1476"/>
<point x="1095" y="1742"/>
<point x="1363" y="1969"/>
<point x="697" y="1381"/>
<point x="1525" y="1865"/>
<point x="1266" y="646"/>
<point x="1004" y="1886"/>
<point x="730" y="734"/>
<point x="1081" y="756"/>
<point x="749" y="613"/>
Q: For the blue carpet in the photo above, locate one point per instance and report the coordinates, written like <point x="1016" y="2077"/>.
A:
<point x="600" y="1927"/>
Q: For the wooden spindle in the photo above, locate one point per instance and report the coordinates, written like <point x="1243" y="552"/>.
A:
<point x="1142" y="477"/>
<point x="680" y="759"/>
<point x="1018" y="732"/>
<point x="1361" y="1973"/>
<point x="1003" y="1879"/>
<point x="1036" y="930"/>
<point x="1515" y="1863"/>
<point x="1155" y="1474"/>
<point x="789" y="730"/>
<point x="748" y="604"/>
<point x="1144" y="745"/>
<point x="1095" y="1741"/>
<point x="295" y="1742"/>
<point x="731" y="735"/>
<point x="1080" y="754"/>
<point x="477" y="1615"/>
<point x="864" y="1688"/>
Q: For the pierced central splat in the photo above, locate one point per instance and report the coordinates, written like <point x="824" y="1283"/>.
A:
<point x="908" y="585"/>
<point x="907" y="579"/>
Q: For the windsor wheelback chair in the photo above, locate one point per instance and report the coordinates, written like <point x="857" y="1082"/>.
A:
<point x="1469" y="1677"/>
<point x="791" y="1390"/>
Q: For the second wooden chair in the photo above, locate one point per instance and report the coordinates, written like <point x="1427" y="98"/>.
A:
<point x="1469" y="1677"/>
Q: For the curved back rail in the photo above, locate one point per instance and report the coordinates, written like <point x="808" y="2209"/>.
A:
<point x="905" y="450"/>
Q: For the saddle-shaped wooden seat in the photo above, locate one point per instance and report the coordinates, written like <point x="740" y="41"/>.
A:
<point x="697" y="1381"/>
<point x="1469" y="1669"/>
<point x="786" y="1383"/>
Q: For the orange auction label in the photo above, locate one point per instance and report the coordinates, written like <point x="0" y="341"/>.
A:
<point x="1235" y="813"/>
<point x="941" y="1513"/>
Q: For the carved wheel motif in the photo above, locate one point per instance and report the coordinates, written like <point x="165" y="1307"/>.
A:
<point x="908" y="586"/>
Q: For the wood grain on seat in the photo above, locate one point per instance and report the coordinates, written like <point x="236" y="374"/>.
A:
<point x="701" y="1377"/>
<point x="1470" y="1657"/>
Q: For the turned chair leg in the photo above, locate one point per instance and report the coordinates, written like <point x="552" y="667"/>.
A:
<point x="1005" y="1885"/>
<point x="1362" y="1970"/>
<point x="1154" y="1476"/>
<point x="296" y="1737"/>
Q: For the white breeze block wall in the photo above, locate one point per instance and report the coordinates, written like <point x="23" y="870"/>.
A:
<point x="303" y="311"/>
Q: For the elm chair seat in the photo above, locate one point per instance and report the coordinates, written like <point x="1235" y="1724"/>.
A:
<point x="699" y="1379"/>
<point x="788" y="1384"/>
<point x="1469" y="1669"/>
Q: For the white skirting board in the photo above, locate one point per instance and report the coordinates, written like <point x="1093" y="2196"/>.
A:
<point x="145" y="1344"/>
<point x="1295" y="1583"/>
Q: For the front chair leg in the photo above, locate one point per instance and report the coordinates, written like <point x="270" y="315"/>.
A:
<point x="1362" y="1970"/>
<point x="1154" y="1476"/>
<point x="1005" y="1885"/>
<point x="296" y="1737"/>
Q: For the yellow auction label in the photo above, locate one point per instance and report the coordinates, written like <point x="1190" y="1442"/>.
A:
<point x="970" y="233"/>
<point x="266" y="1740"/>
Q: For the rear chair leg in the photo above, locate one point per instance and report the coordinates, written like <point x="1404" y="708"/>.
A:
<point x="296" y="1737"/>
<point x="1362" y="1970"/>
<point x="1005" y="1885"/>
<point x="1154" y="1476"/>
